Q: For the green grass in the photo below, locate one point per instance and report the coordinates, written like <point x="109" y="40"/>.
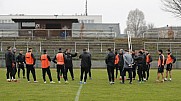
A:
<point x="97" y="89"/>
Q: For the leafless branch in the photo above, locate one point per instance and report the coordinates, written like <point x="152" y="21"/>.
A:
<point x="172" y="6"/>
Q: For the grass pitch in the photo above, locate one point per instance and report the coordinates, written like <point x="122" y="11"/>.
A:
<point x="97" y="89"/>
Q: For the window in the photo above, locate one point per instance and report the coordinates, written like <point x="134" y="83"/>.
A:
<point x="85" y="21"/>
<point x="80" y="21"/>
<point x="92" y="21"/>
<point x="10" y="21"/>
<point x="28" y="24"/>
<point x="88" y="21"/>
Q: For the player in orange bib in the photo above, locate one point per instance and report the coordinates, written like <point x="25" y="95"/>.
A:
<point x="116" y="62"/>
<point x="30" y="65"/>
<point x="161" y="60"/>
<point x="59" y="59"/>
<point x="169" y="62"/>
<point x="148" y="64"/>
<point x="45" y="64"/>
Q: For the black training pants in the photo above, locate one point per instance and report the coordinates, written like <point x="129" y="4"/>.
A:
<point x="21" y="66"/>
<point x="60" y="68"/>
<point x="134" y="71"/>
<point x="70" y="70"/>
<point x="147" y="71"/>
<point x="110" y="72"/>
<point x="140" y="72"/>
<point x="46" y="70"/>
<point x="9" y="72"/>
<point x="14" y="70"/>
<point x="90" y="74"/>
<point x="84" y="69"/>
<point x="117" y="69"/>
<point x="129" y="72"/>
<point x="32" y="69"/>
<point x="144" y="70"/>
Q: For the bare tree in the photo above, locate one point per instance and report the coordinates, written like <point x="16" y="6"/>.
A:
<point x="172" y="6"/>
<point x="135" y="22"/>
<point x="150" y="26"/>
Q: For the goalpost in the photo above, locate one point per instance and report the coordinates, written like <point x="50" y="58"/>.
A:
<point x="129" y="41"/>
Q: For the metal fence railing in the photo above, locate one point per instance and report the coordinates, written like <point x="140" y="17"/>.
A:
<point x="53" y="45"/>
<point x="62" y="33"/>
<point x="175" y="47"/>
<point x="95" y="34"/>
<point x="97" y="49"/>
<point x="162" y="34"/>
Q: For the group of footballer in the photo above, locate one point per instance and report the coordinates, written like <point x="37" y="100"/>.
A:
<point x="137" y="62"/>
<point x="63" y="61"/>
<point x="133" y="62"/>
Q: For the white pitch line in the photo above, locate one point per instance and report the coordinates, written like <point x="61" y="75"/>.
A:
<point x="78" y="93"/>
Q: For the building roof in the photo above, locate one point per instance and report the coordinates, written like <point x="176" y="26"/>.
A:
<point x="48" y="19"/>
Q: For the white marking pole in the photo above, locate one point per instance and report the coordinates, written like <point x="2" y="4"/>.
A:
<point x="88" y="46"/>
<point x="1" y="46"/>
<point x="75" y="47"/>
<point x="129" y="41"/>
<point x="27" y="46"/>
<point x="40" y="46"/>
<point x="101" y="47"/>
<point x="78" y="93"/>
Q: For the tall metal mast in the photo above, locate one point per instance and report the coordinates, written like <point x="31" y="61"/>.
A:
<point x="86" y="8"/>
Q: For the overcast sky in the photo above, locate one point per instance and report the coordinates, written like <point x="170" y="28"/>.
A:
<point x="115" y="11"/>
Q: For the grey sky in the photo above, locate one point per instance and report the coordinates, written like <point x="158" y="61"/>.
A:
<point x="112" y="10"/>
